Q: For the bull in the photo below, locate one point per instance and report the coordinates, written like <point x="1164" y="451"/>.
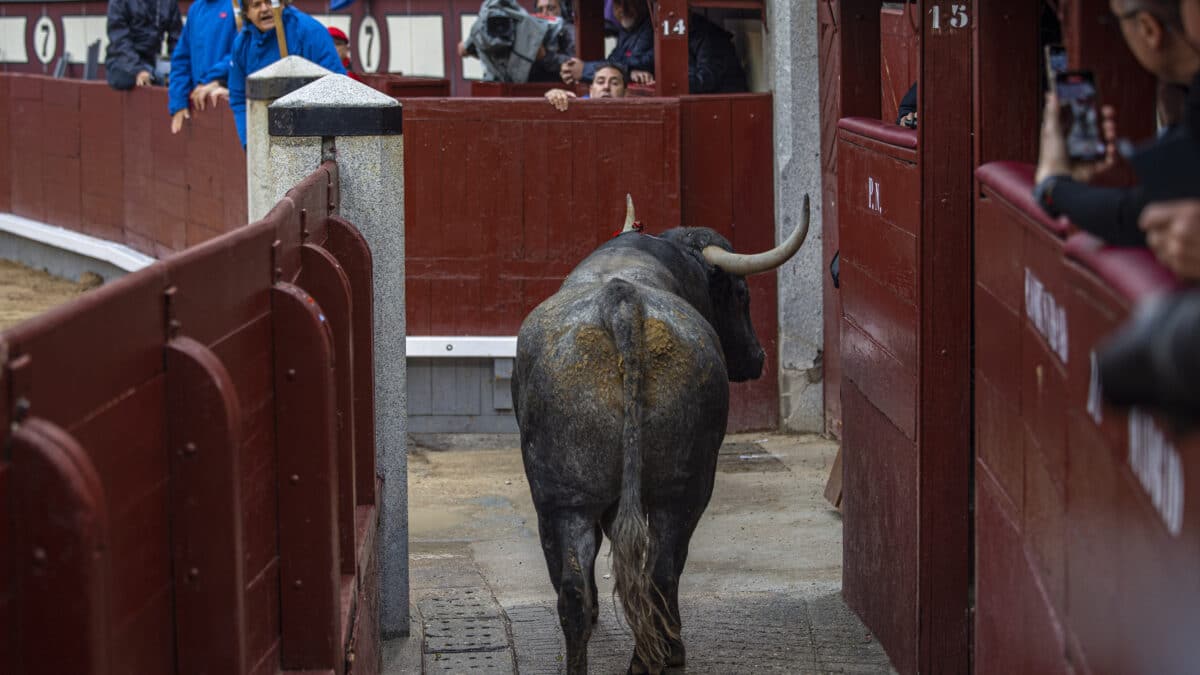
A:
<point x="621" y="392"/>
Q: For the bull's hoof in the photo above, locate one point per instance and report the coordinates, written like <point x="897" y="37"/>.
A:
<point x="639" y="667"/>
<point x="678" y="656"/>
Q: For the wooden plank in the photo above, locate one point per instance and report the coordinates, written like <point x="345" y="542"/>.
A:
<point x="206" y="526"/>
<point x="123" y="322"/>
<point x="28" y="164"/>
<point x="944" y="300"/>
<point x="670" y="48"/>
<point x="351" y="250"/>
<point x="1008" y="71"/>
<point x="308" y="482"/>
<point x="829" y="64"/>
<point x="102" y="154"/>
<point x="589" y="30"/>
<point x="64" y="576"/>
<point x="899" y="50"/>
<point x="879" y="545"/>
<point x="223" y="284"/>
<point x="887" y="383"/>
<point x="325" y="279"/>
<point x="6" y="154"/>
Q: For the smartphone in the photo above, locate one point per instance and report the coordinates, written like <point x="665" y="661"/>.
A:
<point x="1056" y="62"/>
<point x="1078" y="115"/>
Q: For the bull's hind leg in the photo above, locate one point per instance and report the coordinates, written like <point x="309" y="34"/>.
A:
<point x="570" y="542"/>
<point x="672" y="531"/>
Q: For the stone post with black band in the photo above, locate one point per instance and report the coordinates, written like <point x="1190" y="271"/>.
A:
<point x="336" y="117"/>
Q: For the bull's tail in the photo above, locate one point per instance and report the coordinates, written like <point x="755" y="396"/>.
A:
<point x="634" y="555"/>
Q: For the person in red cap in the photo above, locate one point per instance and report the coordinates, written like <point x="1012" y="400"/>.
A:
<point x="342" y="43"/>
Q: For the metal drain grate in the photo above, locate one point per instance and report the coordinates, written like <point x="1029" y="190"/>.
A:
<point x="449" y="634"/>
<point x="459" y="603"/>
<point x="491" y="663"/>
<point x="747" y="458"/>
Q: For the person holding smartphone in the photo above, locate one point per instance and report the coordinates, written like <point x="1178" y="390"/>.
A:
<point x="1153" y="31"/>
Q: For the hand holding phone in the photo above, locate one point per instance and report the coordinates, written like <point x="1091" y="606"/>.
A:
<point x="1076" y="140"/>
<point x="1078" y="116"/>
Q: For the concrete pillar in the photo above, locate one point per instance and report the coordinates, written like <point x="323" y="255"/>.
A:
<point x="361" y="128"/>
<point x="262" y="88"/>
<point x="791" y="49"/>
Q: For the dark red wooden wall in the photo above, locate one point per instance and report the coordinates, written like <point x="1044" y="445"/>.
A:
<point x="506" y="196"/>
<point x="82" y="156"/>
<point x="1081" y="565"/>
<point x="177" y="492"/>
<point x="899" y="55"/>
<point x="903" y="210"/>
<point x="849" y="43"/>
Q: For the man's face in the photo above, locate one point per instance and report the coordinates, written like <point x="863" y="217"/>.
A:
<point x="343" y="49"/>
<point x="1134" y="21"/>
<point x="608" y="83"/>
<point x="628" y="12"/>
<point x="259" y="13"/>
<point x="548" y="7"/>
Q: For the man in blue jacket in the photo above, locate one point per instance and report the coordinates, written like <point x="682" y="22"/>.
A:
<point x="135" y="34"/>
<point x="200" y="62"/>
<point x="256" y="47"/>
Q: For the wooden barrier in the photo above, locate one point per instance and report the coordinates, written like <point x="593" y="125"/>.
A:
<point x="879" y="207"/>
<point x="506" y="196"/>
<point x="190" y="481"/>
<point x="85" y="157"/>
<point x="1086" y="544"/>
<point x="402" y="86"/>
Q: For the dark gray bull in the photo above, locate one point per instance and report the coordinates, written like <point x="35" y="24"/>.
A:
<point x="621" y="392"/>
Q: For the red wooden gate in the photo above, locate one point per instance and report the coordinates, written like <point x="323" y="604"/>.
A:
<point x="506" y="196"/>
<point x="188" y="480"/>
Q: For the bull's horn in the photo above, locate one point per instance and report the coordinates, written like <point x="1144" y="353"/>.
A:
<point x="746" y="264"/>
<point x="628" y="214"/>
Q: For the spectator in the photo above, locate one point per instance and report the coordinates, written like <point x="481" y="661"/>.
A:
<point x="342" y="44"/>
<point x="907" y="114"/>
<point x="135" y="34"/>
<point x="1153" y="31"/>
<point x="256" y="47"/>
<point x="547" y="68"/>
<point x="609" y="82"/>
<point x="1173" y="228"/>
<point x="200" y="62"/>
<point x="634" y="49"/>
<point x="713" y="64"/>
<point x="511" y="42"/>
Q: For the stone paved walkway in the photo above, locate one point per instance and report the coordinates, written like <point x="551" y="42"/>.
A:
<point x="761" y="592"/>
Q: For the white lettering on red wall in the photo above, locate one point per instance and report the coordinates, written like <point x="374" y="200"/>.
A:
<point x="1158" y="468"/>
<point x="1047" y="316"/>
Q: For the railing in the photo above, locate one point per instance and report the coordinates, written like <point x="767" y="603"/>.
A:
<point x="1087" y="544"/>
<point x="187" y="482"/>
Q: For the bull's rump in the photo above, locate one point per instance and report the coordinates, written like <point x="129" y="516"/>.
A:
<point x="568" y="391"/>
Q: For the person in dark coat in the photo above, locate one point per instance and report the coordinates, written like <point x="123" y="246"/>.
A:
<point x="907" y="113"/>
<point x="634" y="49"/>
<point x="1153" y="31"/>
<point x="548" y="67"/>
<point x="135" y="33"/>
<point x="713" y="64"/>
